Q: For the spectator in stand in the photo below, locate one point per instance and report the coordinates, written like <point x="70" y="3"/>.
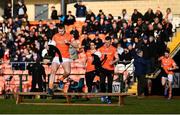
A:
<point x="8" y="11"/>
<point x="168" y="16"/>
<point x="50" y="31"/>
<point x="1" y="52"/>
<point x="136" y="14"/>
<point x="126" y="31"/>
<point x="124" y="16"/>
<point x="120" y="50"/>
<point x="155" y="24"/>
<point x="108" y="67"/>
<point x="90" y="14"/>
<point x="95" y="27"/>
<point x="70" y="19"/>
<point x="80" y="9"/>
<point x="159" y="15"/>
<point x="75" y="33"/>
<point x="149" y="16"/>
<point x="102" y="18"/>
<point x="86" y="27"/>
<point x="152" y="61"/>
<point x="97" y="41"/>
<point x="21" y="10"/>
<point x="99" y="16"/>
<point x="86" y="42"/>
<point x="110" y="17"/>
<point x="168" y="66"/>
<point x="161" y="37"/>
<point x="168" y="29"/>
<point x="106" y="27"/>
<point x="114" y="30"/>
<point x="61" y="18"/>
<point x="54" y="15"/>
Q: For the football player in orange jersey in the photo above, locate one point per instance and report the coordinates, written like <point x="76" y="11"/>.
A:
<point x="168" y="65"/>
<point x="62" y="40"/>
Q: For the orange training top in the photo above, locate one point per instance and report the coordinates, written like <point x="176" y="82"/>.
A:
<point x="110" y="52"/>
<point x="89" y="65"/>
<point x="60" y="44"/>
<point x="167" y="63"/>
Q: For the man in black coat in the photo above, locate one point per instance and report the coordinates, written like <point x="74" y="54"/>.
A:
<point x="8" y="11"/>
<point x="136" y="14"/>
<point x="54" y="13"/>
<point x="140" y="71"/>
<point x="38" y="74"/>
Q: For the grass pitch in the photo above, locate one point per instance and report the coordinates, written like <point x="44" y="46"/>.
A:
<point x="132" y="105"/>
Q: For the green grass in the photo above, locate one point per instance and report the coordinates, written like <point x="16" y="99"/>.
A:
<point x="133" y="105"/>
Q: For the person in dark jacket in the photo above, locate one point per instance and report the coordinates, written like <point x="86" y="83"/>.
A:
<point x="38" y="74"/>
<point x="75" y="33"/>
<point x="80" y="9"/>
<point x="140" y="71"/>
<point x="54" y="15"/>
<point x="21" y="10"/>
<point x="8" y="11"/>
<point x="70" y="19"/>
<point x="149" y="16"/>
<point x="97" y="41"/>
<point x="136" y="14"/>
<point x="86" y="42"/>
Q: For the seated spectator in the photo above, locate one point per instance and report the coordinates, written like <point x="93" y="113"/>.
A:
<point x="99" y="16"/>
<point x="124" y="16"/>
<point x="86" y="42"/>
<point x="168" y="16"/>
<point x="120" y="49"/>
<point x="136" y="14"/>
<point x="75" y="33"/>
<point x="114" y="30"/>
<point x="97" y="41"/>
<point x="95" y="27"/>
<point x="149" y="16"/>
<point x="70" y="19"/>
<point x="90" y="14"/>
<point x="61" y="18"/>
<point x="110" y="17"/>
<point x="86" y="27"/>
<point x="50" y="31"/>
<point x="159" y="15"/>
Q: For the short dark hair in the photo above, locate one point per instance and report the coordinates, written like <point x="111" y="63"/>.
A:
<point x="139" y="51"/>
<point x="60" y="26"/>
<point x="167" y="50"/>
<point x="108" y="38"/>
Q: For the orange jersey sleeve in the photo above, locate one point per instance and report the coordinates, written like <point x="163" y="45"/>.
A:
<point x="110" y="52"/>
<point x="61" y="45"/>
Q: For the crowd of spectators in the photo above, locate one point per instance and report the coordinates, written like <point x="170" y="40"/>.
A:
<point x="149" y="32"/>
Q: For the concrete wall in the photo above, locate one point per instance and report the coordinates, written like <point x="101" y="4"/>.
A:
<point x="115" y="7"/>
